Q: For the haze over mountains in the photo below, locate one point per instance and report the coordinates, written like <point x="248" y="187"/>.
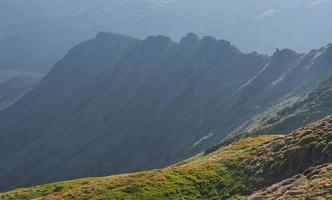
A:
<point x="160" y="105"/>
<point x="117" y="104"/>
<point x="37" y="33"/>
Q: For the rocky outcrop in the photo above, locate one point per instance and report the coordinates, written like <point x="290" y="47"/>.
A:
<point x="314" y="183"/>
<point x="284" y="157"/>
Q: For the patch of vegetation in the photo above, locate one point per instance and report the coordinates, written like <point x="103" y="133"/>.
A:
<point x="295" y="153"/>
<point x="230" y="171"/>
<point x="219" y="175"/>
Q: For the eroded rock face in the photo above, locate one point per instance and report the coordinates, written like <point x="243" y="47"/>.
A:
<point x="293" y="154"/>
<point x="315" y="183"/>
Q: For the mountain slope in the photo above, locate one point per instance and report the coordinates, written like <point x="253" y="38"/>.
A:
<point x="145" y="104"/>
<point x="288" y="75"/>
<point x="305" y="97"/>
<point x="132" y="105"/>
<point x="71" y="85"/>
<point x="307" y="109"/>
<point x="232" y="171"/>
<point x="198" y="178"/>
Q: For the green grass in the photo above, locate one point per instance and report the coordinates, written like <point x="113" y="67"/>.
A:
<point x="227" y="172"/>
<point x="219" y="175"/>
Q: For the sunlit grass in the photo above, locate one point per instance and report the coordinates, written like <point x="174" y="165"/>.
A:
<point x="219" y="175"/>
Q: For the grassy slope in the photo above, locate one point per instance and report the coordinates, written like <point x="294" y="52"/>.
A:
<point x="229" y="172"/>
<point x="285" y="157"/>
<point x="219" y="174"/>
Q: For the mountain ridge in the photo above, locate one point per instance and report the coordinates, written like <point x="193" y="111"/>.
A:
<point x="146" y="104"/>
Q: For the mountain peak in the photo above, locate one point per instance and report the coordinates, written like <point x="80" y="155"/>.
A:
<point x="108" y="35"/>
<point x="208" y="40"/>
<point x="224" y="43"/>
<point x="190" y="38"/>
<point x="284" y="52"/>
<point x="159" y="39"/>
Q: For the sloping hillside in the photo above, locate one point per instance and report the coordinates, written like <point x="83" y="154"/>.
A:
<point x="293" y="115"/>
<point x="287" y="75"/>
<point x="218" y="174"/>
<point x="232" y="171"/>
<point x="116" y="104"/>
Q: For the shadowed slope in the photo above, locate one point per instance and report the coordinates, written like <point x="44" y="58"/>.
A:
<point x="116" y="104"/>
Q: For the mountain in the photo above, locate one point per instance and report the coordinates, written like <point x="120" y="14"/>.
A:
<point x="37" y="40"/>
<point x="116" y="104"/>
<point x="130" y="104"/>
<point x="261" y="167"/>
<point x="295" y="109"/>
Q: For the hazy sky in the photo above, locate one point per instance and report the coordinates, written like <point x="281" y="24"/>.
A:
<point x="47" y="28"/>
